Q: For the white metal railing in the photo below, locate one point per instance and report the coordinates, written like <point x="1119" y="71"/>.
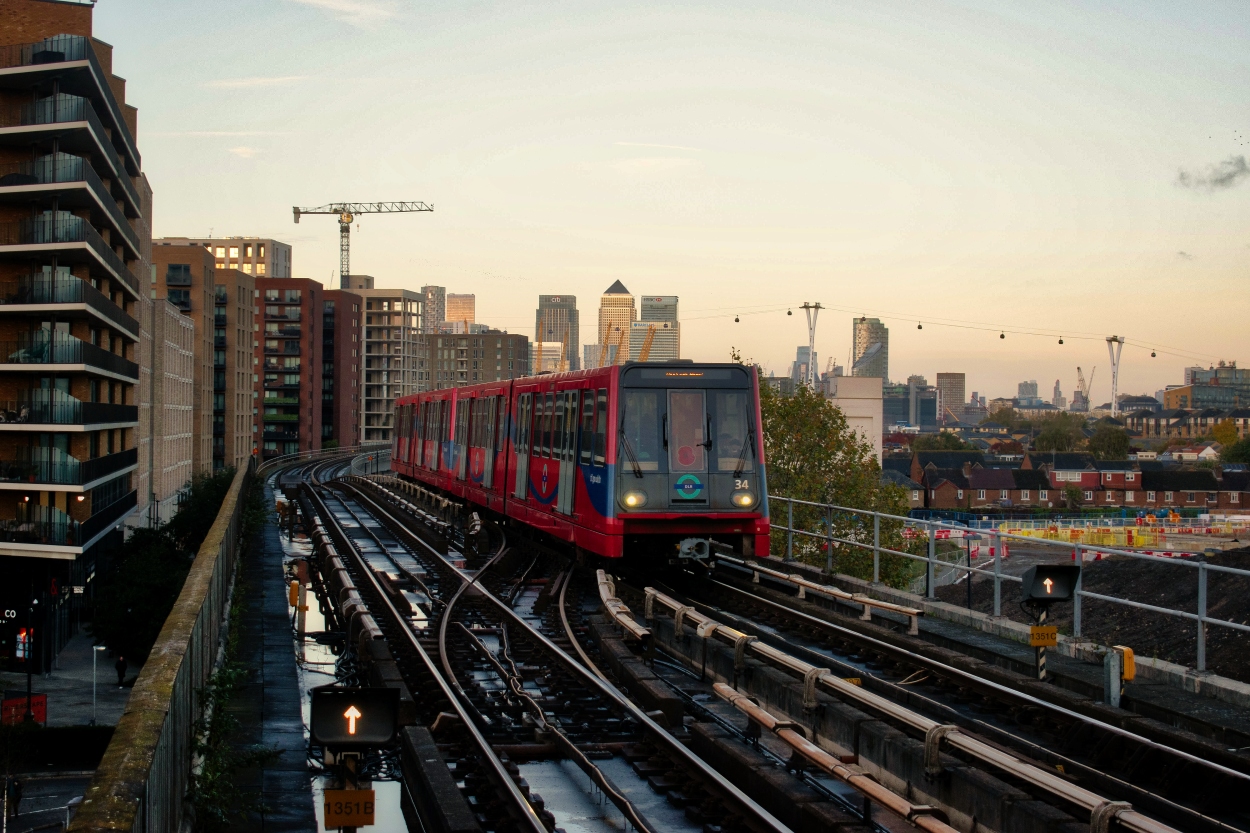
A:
<point x="933" y="530"/>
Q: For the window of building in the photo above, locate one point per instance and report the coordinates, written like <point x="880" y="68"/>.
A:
<point x="1189" y="497"/>
<point x="1130" y="477"/>
<point x="181" y="298"/>
<point x="1167" y="497"/>
<point x="1128" y="497"/>
<point x="915" y="494"/>
<point x="293" y="296"/>
<point x="959" y="493"/>
<point x="1110" y="496"/>
<point x="1150" y="497"/>
<point x="178" y="274"/>
<point x="980" y="494"/>
<point x="1234" y="497"/>
<point x="1212" y="497"/>
<point x="1089" y="495"/>
<point x="247" y="267"/>
<point x="221" y="251"/>
<point x="260" y="252"/>
<point x="1003" y="495"/>
<point x="271" y="294"/>
<point x="1024" y="494"/>
<point x="234" y="252"/>
<point x="1043" y="494"/>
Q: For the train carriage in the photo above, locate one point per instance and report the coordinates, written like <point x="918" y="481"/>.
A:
<point x="657" y="458"/>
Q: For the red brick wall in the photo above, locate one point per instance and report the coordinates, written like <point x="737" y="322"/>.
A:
<point x="25" y="21"/>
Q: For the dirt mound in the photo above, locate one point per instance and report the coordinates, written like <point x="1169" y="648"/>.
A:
<point x="1159" y="583"/>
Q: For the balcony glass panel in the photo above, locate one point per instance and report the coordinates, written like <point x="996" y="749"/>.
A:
<point x="45" y="406"/>
<point x="47" y="288"/>
<point x="48" y="347"/>
<point x="53" y="466"/>
<point x="64" y="167"/>
<point x="64" y="227"/>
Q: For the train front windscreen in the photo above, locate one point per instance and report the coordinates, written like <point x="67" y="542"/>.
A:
<point x="687" y="439"/>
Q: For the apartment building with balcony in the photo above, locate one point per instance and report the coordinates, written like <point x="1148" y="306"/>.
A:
<point x="75" y="319"/>
<point x="489" y="356"/>
<point x="289" y="355"/>
<point x="260" y="257"/>
<point x="174" y="412"/>
<point x="340" y="367"/>
<point x="394" y="356"/>
<point x="236" y="371"/>
<point x="183" y="275"/>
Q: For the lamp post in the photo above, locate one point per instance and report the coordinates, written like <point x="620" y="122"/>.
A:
<point x="95" y="655"/>
<point x="29" y="717"/>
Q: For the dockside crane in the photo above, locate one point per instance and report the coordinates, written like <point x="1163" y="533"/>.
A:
<point x="645" y="352"/>
<point x="1083" y="389"/>
<point x="347" y="212"/>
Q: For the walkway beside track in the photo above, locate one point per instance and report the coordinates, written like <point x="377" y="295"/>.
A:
<point x="268" y="706"/>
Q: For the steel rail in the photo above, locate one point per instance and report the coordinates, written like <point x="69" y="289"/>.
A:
<point x="568" y="628"/>
<point x="998" y="688"/>
<point x="528" y="816"/>
<point x="744" y="803"/>
<point x="1029" y="773"/>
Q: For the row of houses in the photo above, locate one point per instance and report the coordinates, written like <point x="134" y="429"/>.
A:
<point x="966" y="480"/>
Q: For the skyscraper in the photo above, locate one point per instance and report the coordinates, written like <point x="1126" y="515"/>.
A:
<point x="555" y="321"/>
<point x="801" y="364"/>
<point x="616" y="314"/>
<point x="870" y="348"/>
<point x="460" y="308"/>
<point x="435" y="307"/>
<point x="951" y="386"/>
<point x="659" y="319"/>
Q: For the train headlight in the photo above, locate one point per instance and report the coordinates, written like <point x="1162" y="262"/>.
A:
<point x="634" y="499"/>
<point x="742" y="499"/>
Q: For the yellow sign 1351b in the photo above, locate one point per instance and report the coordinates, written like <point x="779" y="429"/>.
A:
<point x="348" y="808"/>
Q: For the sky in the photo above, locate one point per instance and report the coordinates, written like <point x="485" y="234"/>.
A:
<point x="959" y="169"/>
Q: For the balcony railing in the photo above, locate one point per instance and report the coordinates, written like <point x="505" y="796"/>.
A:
<point x="280" y="368"/>
<point x="66" y="228"/>
<point x="64" y="167"/>
<point x="65" y="289"/>
<point x="281" y="435"/>
<point x="49" y="526"/>
<point x="54" y="407"/>
<point x="61" y="109"/>
<point x="280" y="417"/>
<point x="280" y="400"/>
<point x="219" y="320"/>
<point x="53" y="466"/>
<point x="106" y="516"/>
<point x="61" y="48"/>
<point x="48" y="347"/>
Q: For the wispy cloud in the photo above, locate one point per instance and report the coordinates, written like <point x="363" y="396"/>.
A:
<point x="656" y="164"/>
<point x="253" y="81"/>
<point x="1184" y="255"/>
<point x="652" y="145"/>
<point x="1227" y="174"/>
<point x="362" y="13"/>
<point x="244" y="151"/>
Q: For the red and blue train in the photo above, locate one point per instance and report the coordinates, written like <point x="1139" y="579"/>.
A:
<point x="654" y="458"/>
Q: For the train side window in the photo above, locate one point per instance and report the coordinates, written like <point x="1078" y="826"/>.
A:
<point x="558" y="433"/>
<point x="523" y="425"/>
<point x="588" y="426"/>
<point x="546" y="412"/>
<point x="501" y="422"/>
<point x="601" y="428"/>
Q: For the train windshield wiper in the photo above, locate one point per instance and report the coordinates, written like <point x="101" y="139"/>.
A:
<point x="629" y="450"/>
<point x="749" y="442"/>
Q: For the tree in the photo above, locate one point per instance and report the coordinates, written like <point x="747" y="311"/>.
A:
<point x="1005" y="416"/>
<point x="813" y="455"/>
<point x="1109" y="442"/>
<point x="942" y="441"/>
<point x="1060" y="432"/>
<point x="1072" y="497"/>
<point x="1238" y="452"/>
<point x="1225" y="432"/>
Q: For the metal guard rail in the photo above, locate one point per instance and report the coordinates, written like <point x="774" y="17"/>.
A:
<point x="812" y="676"/>
<point x="997" y="538"/>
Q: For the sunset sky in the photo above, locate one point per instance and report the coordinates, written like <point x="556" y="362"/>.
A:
<point x="1044" y="168"/>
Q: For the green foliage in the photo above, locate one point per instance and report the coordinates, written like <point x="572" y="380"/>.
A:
<point x="1060" y="432"/>
<point x="942" y="441"/>
<point x="131" y="607"/>
<point x="219" y="803"/>
<point x="1238" y="452"/>
<point x="329" y="444"/>
<point x="1072" y="497"/>
<point x="813" y="455"/>
<point x="1225" y="432"/>
<point x="1110" y="442"/>
<point x="1008" y="417"/>
<point x="149" y="570"/>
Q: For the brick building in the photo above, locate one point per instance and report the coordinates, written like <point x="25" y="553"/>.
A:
<point x="183" y="274"/>
<point x="75" y="322"/>
<point x="290" y="365"/>
<point x="340" y="362"/>
<point x="236" y="374"/>
<point x="259" y="257"/>
<point x="393" y="356"/>
<point x="174" y="414"/>
<point x="484" y="357"/>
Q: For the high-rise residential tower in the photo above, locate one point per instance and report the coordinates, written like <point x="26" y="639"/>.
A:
<point x="76" y="321"/>
<point x="236" y="375"/>
<point x="951" y="387"/>
<point x="616" y="314"/>
<point x="460" y="308"/>
<point x="394" y="356"/>
<point x="260" y="257"/>
<point x="555" y="321"/>
<point x="290" y="364"/>
<point x="870" y="349"/>
<point x="435" y="306"/>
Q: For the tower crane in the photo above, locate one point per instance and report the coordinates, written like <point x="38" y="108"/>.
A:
<point x="1083" y="389"/>
<point x="645" y="352"/>
<point x="347" y="212"/>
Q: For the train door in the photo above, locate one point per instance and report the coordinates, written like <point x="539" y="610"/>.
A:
<point x="566" y="404"/>
<point x="487" y="433"/>
<point x="461" y="458"/>
<point x="524" y="434"/>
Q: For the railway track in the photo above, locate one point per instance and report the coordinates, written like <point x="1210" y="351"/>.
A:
<point x="1176" y="778"/>
<point x="531" y="737"/>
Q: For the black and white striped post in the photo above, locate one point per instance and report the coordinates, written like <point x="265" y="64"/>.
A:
<point x="1041" y="649"/>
